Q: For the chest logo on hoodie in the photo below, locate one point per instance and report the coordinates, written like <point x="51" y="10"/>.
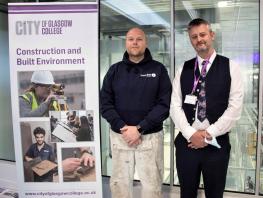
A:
<point x="152" y="75"/>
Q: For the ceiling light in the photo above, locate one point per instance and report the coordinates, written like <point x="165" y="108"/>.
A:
<point x="136" y="11"/>
<point x="190" y="10"/>
<point x="222" y="4"/>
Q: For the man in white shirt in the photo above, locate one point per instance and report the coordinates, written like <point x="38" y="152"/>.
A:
<point x="206" y="101"/>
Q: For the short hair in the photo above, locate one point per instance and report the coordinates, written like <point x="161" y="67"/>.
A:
<point x="197" y="22"/>
<point x="39" y="130"/>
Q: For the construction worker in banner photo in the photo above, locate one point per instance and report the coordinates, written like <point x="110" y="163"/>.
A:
<point x="42" y="96"/>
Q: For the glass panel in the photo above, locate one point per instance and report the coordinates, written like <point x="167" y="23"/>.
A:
<point x="6" y="131"/>
<point x="116" y="17"/>
<point x="260" y="140"/>
<point x="261" y="153"/>
<point x="67" y="1"/>
<point x="236" y="24"/>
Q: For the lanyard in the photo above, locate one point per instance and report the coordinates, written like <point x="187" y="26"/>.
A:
<point x="202" y="71"/>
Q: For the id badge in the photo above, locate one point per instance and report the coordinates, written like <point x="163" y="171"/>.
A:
<point x="190" y="99"/>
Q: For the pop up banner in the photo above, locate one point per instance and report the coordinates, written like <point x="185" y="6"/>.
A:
<point x="55" y="100"/>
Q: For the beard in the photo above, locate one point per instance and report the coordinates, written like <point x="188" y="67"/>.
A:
<point x="40" y="143"/>
<point x="136" y="53"/>
<point x="202" y="50"/>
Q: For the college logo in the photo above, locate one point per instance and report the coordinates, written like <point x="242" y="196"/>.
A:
<point x="152" y="75"/>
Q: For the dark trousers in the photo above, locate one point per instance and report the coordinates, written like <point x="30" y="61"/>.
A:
<point x="210" y="161"/>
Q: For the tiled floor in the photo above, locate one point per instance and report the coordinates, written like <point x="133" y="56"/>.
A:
<point x="167" y="192"/>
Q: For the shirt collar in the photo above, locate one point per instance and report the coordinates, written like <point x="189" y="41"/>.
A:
<point x="211" y="60"/>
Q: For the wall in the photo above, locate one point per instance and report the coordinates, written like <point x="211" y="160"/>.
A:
<point x="6" y="132"/>
<point x="8" y="175"/>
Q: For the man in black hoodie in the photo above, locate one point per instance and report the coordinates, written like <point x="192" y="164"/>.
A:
<point x="135" y="99"/>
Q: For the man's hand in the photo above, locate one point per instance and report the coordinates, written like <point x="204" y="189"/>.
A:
<point x="70" y="164"/>
<point x="131" y="135"/>
<point x="88" y="159"/>
<point x="50" y="97"/>
<point x="28" y="158"/>
<point x="197" y="140"/>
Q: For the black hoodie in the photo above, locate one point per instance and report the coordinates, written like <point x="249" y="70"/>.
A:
<point x="136" y="94"/>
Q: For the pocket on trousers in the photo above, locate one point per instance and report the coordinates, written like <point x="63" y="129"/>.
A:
<point x="146" y="145"/>
<point x="122" y="146"/>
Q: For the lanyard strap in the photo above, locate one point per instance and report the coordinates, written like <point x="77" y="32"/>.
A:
<point x="196" y="79"/>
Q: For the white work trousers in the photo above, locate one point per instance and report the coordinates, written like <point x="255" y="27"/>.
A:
<point x="148" y="160"/>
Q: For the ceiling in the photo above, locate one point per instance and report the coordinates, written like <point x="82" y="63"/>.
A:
<point x="232" y="16"/>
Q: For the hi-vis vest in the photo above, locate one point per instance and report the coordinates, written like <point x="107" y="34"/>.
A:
<point x="34" y="104"/>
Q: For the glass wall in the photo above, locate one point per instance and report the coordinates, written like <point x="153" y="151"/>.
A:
<point x="6" y="132"/>
<point x="236" y="24"/>
<point x="259" y="172"/>
<point x="116" y="18"/>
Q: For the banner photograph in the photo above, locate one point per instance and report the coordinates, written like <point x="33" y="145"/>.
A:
<point x="55" y="103"/>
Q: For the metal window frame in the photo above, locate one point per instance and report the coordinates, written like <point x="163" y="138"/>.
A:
<point x="172" y="74"/>
<point x="260" y="104"/>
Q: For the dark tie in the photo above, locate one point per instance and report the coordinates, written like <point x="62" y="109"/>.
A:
<point x="201" y="109"/>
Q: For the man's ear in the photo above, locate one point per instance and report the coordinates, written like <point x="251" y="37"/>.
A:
<point x="213" y="35"/>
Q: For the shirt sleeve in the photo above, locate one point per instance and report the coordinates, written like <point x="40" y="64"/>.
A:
<point x="107" y="107"/>
<point x="176" y="111"/>
<point x="235" y="103"/>
<point x="26" y="109"/>
<point x="161" y="110"/>
<point x="29" y="152"/>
